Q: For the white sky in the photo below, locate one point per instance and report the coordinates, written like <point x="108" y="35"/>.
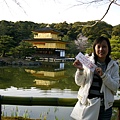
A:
<point x="56" y="11"/>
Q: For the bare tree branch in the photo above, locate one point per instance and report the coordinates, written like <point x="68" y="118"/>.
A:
<point x="7" y="6"/>
<point x="105" y="12"/>
<point x="80" y="3"/>
<point x="96" y="21"/>
<point x="116" y="2"/>
<point x="19" y="5"/>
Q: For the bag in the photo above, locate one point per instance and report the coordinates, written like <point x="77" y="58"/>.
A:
<point x="89" y="111"/>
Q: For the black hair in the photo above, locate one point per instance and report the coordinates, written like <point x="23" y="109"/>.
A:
<point x="100" y="40"/>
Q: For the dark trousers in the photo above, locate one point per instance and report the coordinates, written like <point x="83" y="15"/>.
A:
<point x="105" y="114"/>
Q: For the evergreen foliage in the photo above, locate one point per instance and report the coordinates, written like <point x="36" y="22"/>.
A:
<point x="16" y="32"/>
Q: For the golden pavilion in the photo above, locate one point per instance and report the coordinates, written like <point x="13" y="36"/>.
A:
<point x="48" y="43"/>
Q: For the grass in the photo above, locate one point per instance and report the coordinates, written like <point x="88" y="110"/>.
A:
<point x="43" y="116"/>
<point x="16" y="118"/>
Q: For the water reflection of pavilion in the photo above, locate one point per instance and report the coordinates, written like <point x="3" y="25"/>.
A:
<point x="45" y="73"/>
<point x="48" y="76"/>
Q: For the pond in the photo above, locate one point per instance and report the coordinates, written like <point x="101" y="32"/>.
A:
<point x="50" y="79"/>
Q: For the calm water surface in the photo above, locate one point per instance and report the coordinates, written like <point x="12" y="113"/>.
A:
<point x="51" y="79"/>
<point x="48" y="80"/>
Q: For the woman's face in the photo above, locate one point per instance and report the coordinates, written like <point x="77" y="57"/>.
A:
<point x="101" y="50"/>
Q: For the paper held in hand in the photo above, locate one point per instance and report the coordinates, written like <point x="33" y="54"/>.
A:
<point x="86" y="62"/>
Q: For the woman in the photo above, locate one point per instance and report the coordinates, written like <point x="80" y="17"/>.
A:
<point x="103" y="82"/>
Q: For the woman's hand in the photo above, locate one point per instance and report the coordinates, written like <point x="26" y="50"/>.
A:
<point x="99" y="71"/>
<point x="78" y="64"/>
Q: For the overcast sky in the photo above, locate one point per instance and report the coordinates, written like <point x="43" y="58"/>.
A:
<point x="56" y="11"/>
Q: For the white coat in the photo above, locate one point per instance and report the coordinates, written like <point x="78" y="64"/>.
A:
<point x="109" y="87"/>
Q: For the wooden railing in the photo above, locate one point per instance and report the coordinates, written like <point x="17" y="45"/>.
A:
<point x="44" y="101"/>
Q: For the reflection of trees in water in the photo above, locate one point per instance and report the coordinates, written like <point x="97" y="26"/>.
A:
<point x="50" y="66"/>
<point x="1" y="71"/>
<point x="18" y="77"/>
<point x="14" y="76"/>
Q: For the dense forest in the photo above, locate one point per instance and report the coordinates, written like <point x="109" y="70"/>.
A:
<point x="78" y="36"/>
